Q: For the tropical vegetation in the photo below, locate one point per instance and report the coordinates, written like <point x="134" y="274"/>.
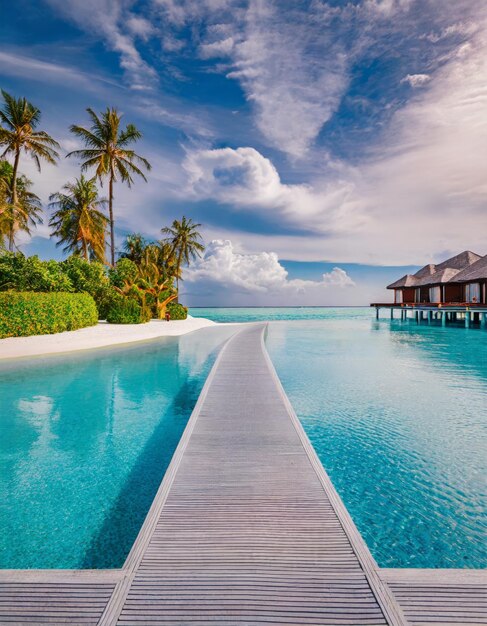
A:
<point x="22" y="214"/>
<point x="30" y="313"/>
<point x="19" y="120"/>
<point x="78" y="221"/>
<point x="142" y="284"/>
<point x="106" y="151"/>
<point x="185" y="241"/>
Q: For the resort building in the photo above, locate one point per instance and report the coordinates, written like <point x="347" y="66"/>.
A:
<point x="459" y="280"/>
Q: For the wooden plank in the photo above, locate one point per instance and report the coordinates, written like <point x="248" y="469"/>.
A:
<point x="423" y="577"/>
<point x="245" y="527"/>
<point x="427" y="596"/>
<point x="36" y="603"/>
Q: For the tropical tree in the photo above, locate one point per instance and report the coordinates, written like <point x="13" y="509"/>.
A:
<point x="22" y="214"/>
<point x="19" y="120"/>
<point x="77" y="220"/>
<point x="154" y="279"/>
<point x="106" y="150"/>
<point x="133" y="247"/>
<point x="185" y="241"/>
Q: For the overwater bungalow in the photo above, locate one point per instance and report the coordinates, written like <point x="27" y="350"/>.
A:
<point x="457" y="286"/>
<point x="459" y="280"/>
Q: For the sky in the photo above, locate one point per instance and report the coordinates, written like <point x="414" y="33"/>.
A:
<point x="326" y="147"/>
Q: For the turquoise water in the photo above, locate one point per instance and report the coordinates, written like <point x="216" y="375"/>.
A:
<point x="397" y="413"/>
<point x="263" y="314"/>
<point x="84" y="443"/>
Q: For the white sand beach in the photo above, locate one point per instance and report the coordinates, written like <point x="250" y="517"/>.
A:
<point x="98" y="336"/>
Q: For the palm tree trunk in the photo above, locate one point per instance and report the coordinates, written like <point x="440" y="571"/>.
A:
<point x="14" y="200"/>
<point x="112" y="224"/>
<point x="85" y="250"/>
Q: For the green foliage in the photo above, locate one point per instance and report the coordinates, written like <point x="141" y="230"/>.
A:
<point x="124" y="272"/>
<point x="125" y="310"/>
<point x="185" y="241"/>
<point x="177" y="311"/>
<point x="28" y="313"/>
<point x="104" y="301"/>
<point x="107" y="150"/>
<point x="78" y="221"/>
<point x="22" y="215"/>
<point x="133" y="247"/>
<point x="90" y="278"/>
<point x="23" y="273"/>
<point x="84" y="276"/>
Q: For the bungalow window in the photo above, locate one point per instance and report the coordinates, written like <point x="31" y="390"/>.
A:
<point x="472" y="292"/>
<point x="435" y="294"/>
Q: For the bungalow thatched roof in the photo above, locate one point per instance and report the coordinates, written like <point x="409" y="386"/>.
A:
<point x="406" y="281"/>
<point x="476" y="271"/>
<point x="447" y="271"/>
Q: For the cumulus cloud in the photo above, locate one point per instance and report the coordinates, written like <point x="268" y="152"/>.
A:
<point x="419" y="194"/>
<point x="243" y="177"/>
<point x="256" y="273"/>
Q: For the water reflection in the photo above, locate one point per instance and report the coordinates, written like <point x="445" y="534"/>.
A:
<point x="84" y="444"/>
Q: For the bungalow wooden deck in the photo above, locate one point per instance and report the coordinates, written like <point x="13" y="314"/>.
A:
<point x="246" y="528"/>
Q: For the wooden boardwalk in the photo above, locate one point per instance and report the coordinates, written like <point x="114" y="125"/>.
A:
<point x="246" y="528"/>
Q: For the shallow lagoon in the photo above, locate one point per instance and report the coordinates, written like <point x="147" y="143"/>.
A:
<point x="85" y="441"/>
<point x="396" y="412"/>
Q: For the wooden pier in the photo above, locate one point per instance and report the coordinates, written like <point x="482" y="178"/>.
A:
<point x="443" y="314"/>
<point x="246" y="528"/>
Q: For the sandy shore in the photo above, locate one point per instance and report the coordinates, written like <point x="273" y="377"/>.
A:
<point x="102" y="334"/>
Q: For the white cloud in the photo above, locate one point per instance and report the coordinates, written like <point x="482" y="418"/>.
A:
<point x="114" y="22"/>
<point x="243" y="177"/>
<point x="462" y="29"/>
<point x="140" y="26"/>
<point x="293" y="90"/>
<point x="387" y="8"/>
<point x="18" y="65"/>
<point x="222" y="47"/>
<point x="416" y="80"/>
<point x="257" y="273"/>
<point x="419" y="194"/>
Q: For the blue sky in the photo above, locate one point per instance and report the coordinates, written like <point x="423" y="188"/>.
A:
<point x="327" y="147"/>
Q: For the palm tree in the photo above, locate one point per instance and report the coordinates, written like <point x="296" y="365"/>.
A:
<point x="134" y="246"/>
<point x="18" y="122"/>
<point x="106" y="150"/>
<point x="185" y="241"/>
<point x="77" y="220"/>
<point x="21" y="215"/>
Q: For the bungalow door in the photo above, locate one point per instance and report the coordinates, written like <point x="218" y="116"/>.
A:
<point x="472" y="292"/>
<point x="435" y="294"/>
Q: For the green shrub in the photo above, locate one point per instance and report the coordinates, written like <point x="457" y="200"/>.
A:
<point x="177" y="311"/>
<point x="104" y="300"/>
<point x="84" y="276"/>
<point x="30" y="313"/>
<point x="31" y="274"/>
<point x="124" y="310"/>
<point x="125" y="271"/>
